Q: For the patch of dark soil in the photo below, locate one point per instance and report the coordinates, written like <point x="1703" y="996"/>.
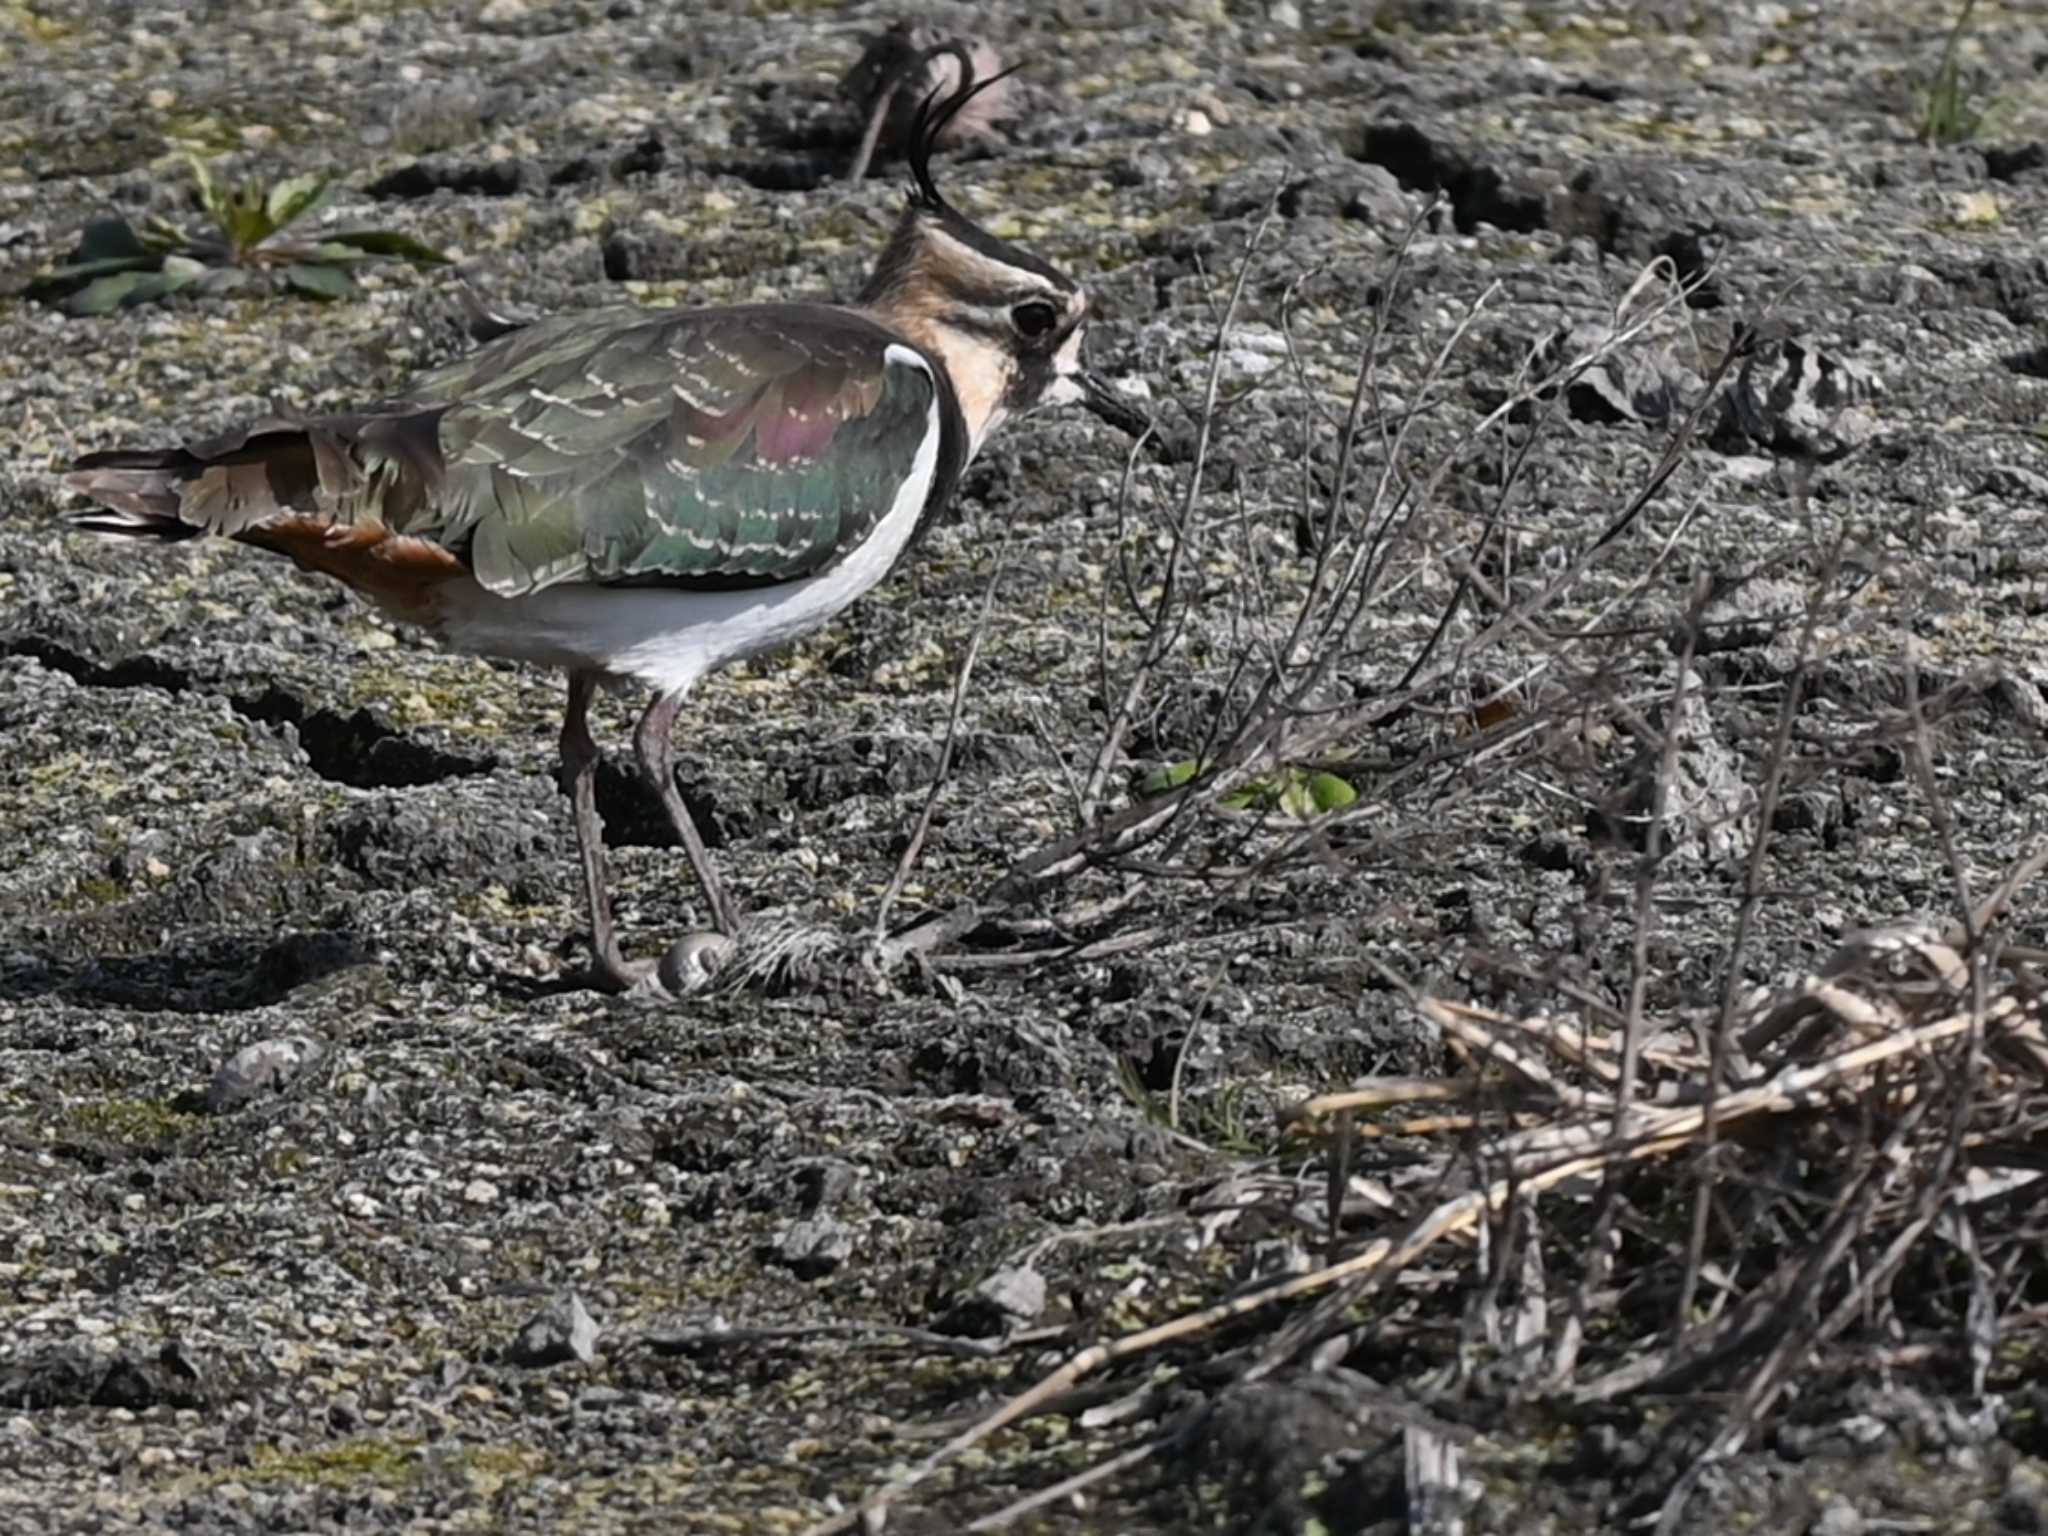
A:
<point x="470" y="178"/>
<point x="397" y="842"/>
<point x="1478" y="192"/>
<point x="359" y="749"/>
<point x="990" y="1063"/>
<point x="356" y="749"/>
<point x="129" y="672"/>
<point x="643" y="254"/>
<point x="258" y="876"/>
<point x="784" y="174"/>
<point x="1293" y="1453"/>
<point x="224" y="974"/>
<point x="63" y="1376"/>
<point x="633" y="817"/>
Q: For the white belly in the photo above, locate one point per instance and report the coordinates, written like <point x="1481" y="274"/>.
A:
<point x="668" y="639"/>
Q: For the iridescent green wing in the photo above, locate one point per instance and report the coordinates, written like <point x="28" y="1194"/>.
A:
<point x="694" y="448"/>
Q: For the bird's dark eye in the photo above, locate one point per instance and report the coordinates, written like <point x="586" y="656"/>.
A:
<point x="1034" y="318"/>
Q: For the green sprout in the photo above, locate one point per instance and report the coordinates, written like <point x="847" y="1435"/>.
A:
<point x="1298" y="792"/>
<point x="1304" y="793"/>
<point x="1947" y="115"/>
<point x="116" y="265"/>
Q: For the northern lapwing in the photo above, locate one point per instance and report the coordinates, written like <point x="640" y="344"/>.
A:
<point x="642" y="496"/>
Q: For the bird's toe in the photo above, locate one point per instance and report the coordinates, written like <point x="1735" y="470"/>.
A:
<point x="692" y="961"/>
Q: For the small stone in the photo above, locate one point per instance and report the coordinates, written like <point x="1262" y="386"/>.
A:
<point x="264" y="1067"/>
<point x="1140" y="169"/>
<point x="2024" y="1504"/>
<point x="645" y="158"/>
<point x="1374" y="196"/>
<point x="824" y="1182"/>
<point x="476" y="178"/>
<point x="480" y="1192"/>
<point x="560" y="1332"/>
<point x="1019" y="1293"/>
<point x="815" y="1246"/>
<point x="997" y="1306"/>
<point x="646" y="255"/>
<point x="1252" y="351"/>
<point x="2010" y="482"/>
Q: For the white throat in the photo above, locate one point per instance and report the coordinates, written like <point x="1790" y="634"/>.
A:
<point x="980" y="373"/>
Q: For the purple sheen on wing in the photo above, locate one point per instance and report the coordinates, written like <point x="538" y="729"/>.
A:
<point x="781" y="438"/>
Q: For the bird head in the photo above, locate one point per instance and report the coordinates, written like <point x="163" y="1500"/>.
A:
<point x="1007" y="325"/>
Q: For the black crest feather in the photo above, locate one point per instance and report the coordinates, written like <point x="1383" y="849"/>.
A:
<point x="937" y="111"/>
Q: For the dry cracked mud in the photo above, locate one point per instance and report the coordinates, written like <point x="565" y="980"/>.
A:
<point x="775" y="1240"/>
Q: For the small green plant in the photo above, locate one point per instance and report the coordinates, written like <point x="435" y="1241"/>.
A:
<point x="1225" y="1119"/>
<point x="134" y="1122"/>
<point x="1131" y="1083"/>
<point x="1947" y="114"/>
<point x="1299" y="792"/>
<point x="116" y="265"/>
<point x="1169" y="776"/>
<point x="1295" y="791"/>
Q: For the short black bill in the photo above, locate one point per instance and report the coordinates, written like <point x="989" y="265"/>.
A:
<point x="1107" y="404"/>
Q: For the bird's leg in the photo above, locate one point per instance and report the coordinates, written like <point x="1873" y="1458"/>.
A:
<point x="868" y="140"/>
<point x="653" y="740"/>
<point x="579" y="782"/>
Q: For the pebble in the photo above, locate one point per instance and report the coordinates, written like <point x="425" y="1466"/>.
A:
<point x="560" y="1332"/>
<point x="261" y="1068"/>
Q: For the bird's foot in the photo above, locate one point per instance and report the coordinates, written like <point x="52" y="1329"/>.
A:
<point x="686" y="968"/>
<point x="620" y="975"/>
<point x="691" y="962"/>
